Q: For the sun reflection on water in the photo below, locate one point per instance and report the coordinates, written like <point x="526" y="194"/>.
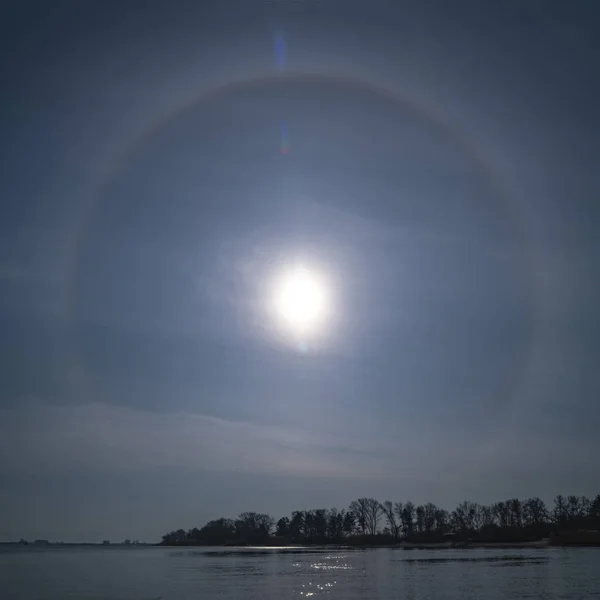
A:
<point x="327" y="567"/>
<point x="329" y="563"/>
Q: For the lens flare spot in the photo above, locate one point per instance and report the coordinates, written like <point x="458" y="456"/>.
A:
<point x="280" y="50"/>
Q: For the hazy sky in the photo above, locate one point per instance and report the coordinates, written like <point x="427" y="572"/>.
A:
<point x="442" y="174"/>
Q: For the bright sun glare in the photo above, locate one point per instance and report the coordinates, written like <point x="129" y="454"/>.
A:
<point x="301" y="300"/>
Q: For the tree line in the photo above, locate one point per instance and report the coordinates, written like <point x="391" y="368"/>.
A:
<point x="366" y="520"/>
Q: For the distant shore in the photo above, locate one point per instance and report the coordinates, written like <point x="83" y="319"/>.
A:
<point x="46" y="544"/>
<point x="368" y="523"/>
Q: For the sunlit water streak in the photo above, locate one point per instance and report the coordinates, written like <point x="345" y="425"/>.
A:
<point x="95" y="573"/>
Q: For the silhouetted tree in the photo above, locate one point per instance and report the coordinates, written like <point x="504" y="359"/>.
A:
<point x="309" y="524"/>
<point x="503" y="521"/>
<point x="172" y="537"/>
<point x="253" y="527"/>
<point x="388" y="511"/>
<point x="487" y="516"/>
<point x="219" y="531"/>
<point x="488" y="528"/>
<point x="349" y="523"/>
<point x="398" y="509"/>
<point x="320" y="524"/>
<point x="335" y="524"/>
<point x="575" y="509"/>
<point x="429" y="511"/>
<point x="441" y="520"/>
<point x="373" y="514"/>
<point x="283" y="527"/>
<point x="594" y="512"/>
<point x="464" y="517"/>
<point x="586" y="503"/>
<point x="535" y="513"/>
<point x="360" y="510"/>
<point x="407" y="518"/>
<point x="516" y="513"/>
<point x="297" y="525"/>
<point x="559" y="513"/>
<point x="420" y="519"/>
<point x="502" y="513"/>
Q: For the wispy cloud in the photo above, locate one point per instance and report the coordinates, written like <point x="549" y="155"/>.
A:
<point x="43" y="437"/>
<point x="37" y="438"/>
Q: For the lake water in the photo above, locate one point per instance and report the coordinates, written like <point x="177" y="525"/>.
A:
<point x="172" y="574"/>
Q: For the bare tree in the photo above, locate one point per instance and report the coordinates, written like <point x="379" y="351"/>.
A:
<point x="282" y="528"/>
<point x="360" y="509"/>
<point x="320" y="523"/>
<point x="388" y="510"/>
<point x="595" y="507"/>
<point x="335" y="523"/>
<point x="296" y="527"/>
<point x="535" y="512"/>
<point x="515" y="512"/>
<point x="560" y="513"/>
<point x="594" y="512"/>
<point x="366" y="511"/>
<point x="429" y="517"/>
<point x="420" y="518"/>
<point x="502" y="513"/>
<point x="373" y="514"/>
<point x="265" y="522"/>
<point x="574" y="508"/>
<point x="408" y="518"/>
<point x="398" y="509"/>
<point x="586" y="503"/>
<point x="441" y="520"/>
<point x="465" y="516"/>
<point x="349" y="523"/>
<point x="477" y="517"/>
<point x="487" y="516"/>
<point x="309" y="524"/>
<point x="254" y="527"/>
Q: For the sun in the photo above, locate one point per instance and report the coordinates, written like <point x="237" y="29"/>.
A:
<point x="302" y="300"/>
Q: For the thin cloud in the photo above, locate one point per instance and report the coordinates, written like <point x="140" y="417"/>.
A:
<point x="37" y="438"/>
<point x="98" y="436"/>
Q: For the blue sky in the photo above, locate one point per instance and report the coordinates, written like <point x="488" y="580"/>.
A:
<point x="442" y="174"/>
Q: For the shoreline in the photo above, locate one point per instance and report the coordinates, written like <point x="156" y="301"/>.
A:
<point x="544" y="543"/>
<point x="534" y="544"/>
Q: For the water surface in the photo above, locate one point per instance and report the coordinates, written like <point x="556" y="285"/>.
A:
<point x="150" y="573"/>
